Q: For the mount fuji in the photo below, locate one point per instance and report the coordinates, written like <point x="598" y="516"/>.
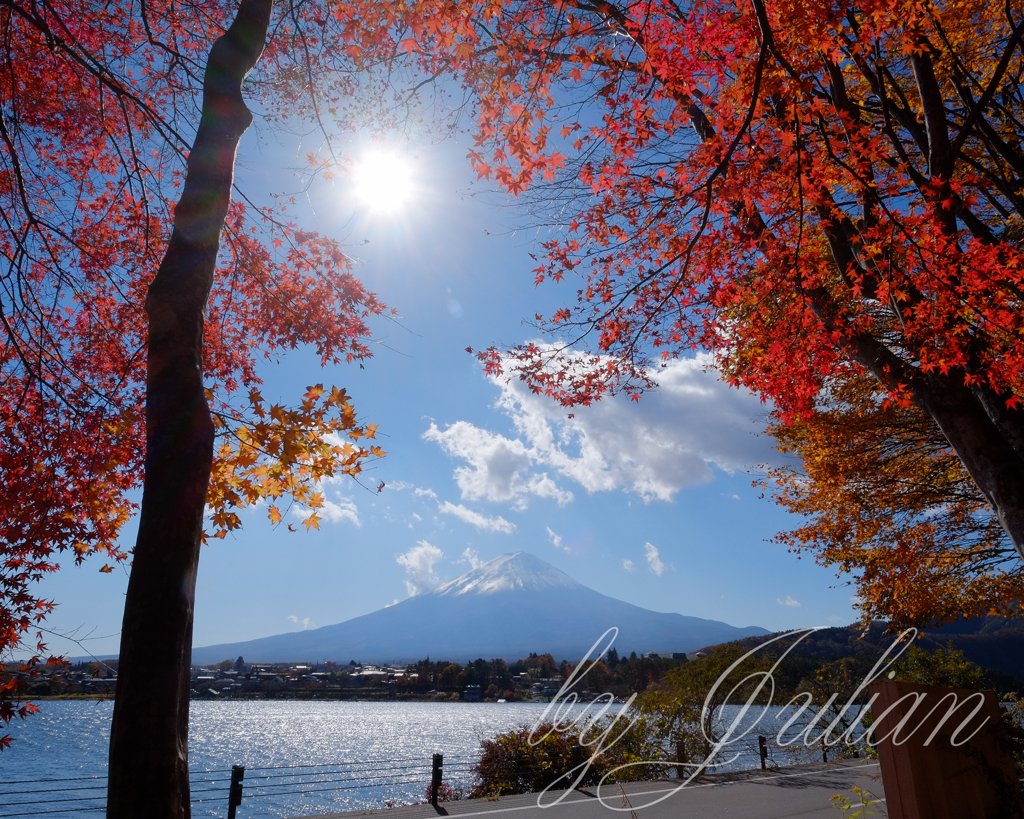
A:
<point x="506" y="607"/>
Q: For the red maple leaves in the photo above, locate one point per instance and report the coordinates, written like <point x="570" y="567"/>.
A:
<point x="96" y="113"/>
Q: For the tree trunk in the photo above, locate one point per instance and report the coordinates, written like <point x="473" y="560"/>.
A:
<point x="148" y="774"/>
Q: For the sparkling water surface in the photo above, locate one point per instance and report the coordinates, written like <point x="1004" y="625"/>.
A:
<point x="301" y="757"/>
<point x="69" y="738"/>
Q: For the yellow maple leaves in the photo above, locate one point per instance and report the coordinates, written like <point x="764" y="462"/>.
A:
<point x="273" y="452"/>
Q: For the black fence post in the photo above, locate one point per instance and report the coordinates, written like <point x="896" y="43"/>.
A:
<point x="762" y="749"/>
<point x="235" y="792"/>
<point x="435" y="778"/>
<point x="681" y="759"/>
<point x="824" y="750"/>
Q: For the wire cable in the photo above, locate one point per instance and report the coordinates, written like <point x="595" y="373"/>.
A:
<point x="394" y="781"/>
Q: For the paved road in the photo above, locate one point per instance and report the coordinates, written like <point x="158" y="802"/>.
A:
<point x="793" y="793"/>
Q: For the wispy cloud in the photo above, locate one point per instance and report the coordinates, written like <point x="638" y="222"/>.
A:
<point x="419" y="567"/>
<point x="340" y="509"/>
<point x="337" y="506"/>
<point x="653" y="559"/>
<point x="472" y="557"/>
<point x="306" y="621"/>
<point x="628" y="566"/>
<point x="429" y="493"/>
<point x="498" y="524"/>
<point x="789" y="601"/>
<point x="556" y="540"/>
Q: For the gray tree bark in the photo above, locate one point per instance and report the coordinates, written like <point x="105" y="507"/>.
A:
<point x="148" y="773"/>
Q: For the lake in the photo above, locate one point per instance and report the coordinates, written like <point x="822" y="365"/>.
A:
<point x="301" y="757"/>
<point x="353" y="741"/>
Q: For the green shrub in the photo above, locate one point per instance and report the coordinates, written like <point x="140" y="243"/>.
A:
<point x="512" y="764"/>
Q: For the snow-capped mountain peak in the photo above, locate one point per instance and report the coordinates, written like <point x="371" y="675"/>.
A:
<point x="506" y="607"/>
<point x="507" y="573"/>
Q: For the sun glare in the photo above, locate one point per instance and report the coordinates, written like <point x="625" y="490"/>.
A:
<point x="383" y="181"/>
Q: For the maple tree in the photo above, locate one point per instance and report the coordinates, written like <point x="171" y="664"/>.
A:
<point x="885" y="499"/>
<point x="137" y="301"/>
<point x="687" y="708"/>
<point x="804" y="188"/>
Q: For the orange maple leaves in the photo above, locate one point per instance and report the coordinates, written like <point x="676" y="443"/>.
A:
<point x="273" y="452"/>
<point x="883" y="499"/>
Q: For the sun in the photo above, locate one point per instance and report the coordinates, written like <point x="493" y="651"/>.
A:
<point x="383" y="180"/>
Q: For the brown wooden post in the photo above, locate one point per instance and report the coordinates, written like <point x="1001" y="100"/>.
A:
<point x="681" y="759"/>
<point x="938" y="760"/>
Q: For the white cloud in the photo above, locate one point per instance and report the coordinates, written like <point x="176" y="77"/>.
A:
<point x="419" y="567"/>
<point x="392" y="603"/>
<point x="293" y="618"/>
<point x="668" y="440"/>
<point x="789" y="601"/>
<point x="306" y="621"/>
<point x="498" y="524"/>
<point x="472" y="557"/>
<point x="653" y="559"/>
<point x="430" y="493"/>
<point x="628" y="566"/>
<point x="340" y="509"/>
<point x="499" y="467"/>
<point x="556" y="540"/>
<point x="336" y="506"/>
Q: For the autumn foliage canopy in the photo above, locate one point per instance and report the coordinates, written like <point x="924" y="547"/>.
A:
<point x="883" y="499"/>
<point x="818" y="192"/>
<point x="98" y="108"/>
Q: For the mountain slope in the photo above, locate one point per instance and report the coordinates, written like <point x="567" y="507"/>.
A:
<point x="991" y="642"/>
<point x="507" y="607"/>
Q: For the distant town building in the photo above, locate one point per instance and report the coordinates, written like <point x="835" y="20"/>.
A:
<point x="545" y="689"/>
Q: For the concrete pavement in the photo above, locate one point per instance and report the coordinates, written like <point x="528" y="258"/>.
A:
<point x="786" y="793"/>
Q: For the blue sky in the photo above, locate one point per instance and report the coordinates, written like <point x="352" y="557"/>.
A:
<point x="649" y="502"/>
